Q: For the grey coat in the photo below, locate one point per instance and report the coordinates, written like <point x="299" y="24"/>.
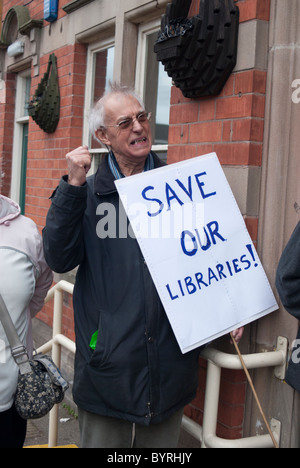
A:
<point x="288" y="286"/>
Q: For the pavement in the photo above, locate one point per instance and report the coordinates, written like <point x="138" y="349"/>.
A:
<point x="68" y="431"/>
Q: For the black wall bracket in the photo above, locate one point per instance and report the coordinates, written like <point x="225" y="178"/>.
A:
<point x="44" y="107"/>
<point x="199" y="53"/>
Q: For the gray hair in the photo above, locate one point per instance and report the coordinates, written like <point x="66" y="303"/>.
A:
<point x="97" y="113"/>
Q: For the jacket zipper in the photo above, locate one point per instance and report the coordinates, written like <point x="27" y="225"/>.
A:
<point x="150" y="414"/>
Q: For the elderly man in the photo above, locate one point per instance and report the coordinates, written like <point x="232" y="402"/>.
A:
<point x="129" y="371"/>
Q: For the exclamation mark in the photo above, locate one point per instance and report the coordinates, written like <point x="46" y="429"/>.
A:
<point x="249" y="247"/>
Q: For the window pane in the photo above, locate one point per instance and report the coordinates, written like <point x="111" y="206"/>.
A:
<point x="102" y="74"/>
<point x="27" y="95"/>
<point x="163" y="106"/>
<point x="157" y="93"/>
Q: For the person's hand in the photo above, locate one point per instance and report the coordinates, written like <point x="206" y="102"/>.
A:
<point x="238" y="334"/>
<point x="79" y="164"/>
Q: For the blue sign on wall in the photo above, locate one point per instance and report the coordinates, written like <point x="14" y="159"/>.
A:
<point x="50" y="10"/>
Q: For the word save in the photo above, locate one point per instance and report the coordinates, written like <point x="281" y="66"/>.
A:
<point x="179" y="192"/>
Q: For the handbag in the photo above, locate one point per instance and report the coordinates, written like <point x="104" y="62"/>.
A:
<point x="40" y="383"/>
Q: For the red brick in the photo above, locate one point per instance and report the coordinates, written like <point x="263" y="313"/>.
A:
<point x="180" y="153"/>
<point x="257" y="130"/>
<point x="252" y="226"/>
<point x="241" y="130"/>
<point x="244" y="82"/>
<point x="258" y="109"/>
<point x="233" y="153"/>
<point x="204" y="149"/>
<point x="234" y="107"/>
<point x="231" y="415"/>
<point x="254" y="9"/>
<point x="194" y="10"/>
<point x="184" y="113"/>
<point x="225" y="432"/>
<point x="255" y="154"/>
<point x="263" y="9"/>
<point x="179" y="134"/>
<point x="247" y="10"/>
<point x="229" y="87"/>
<point x="177" y="97"/>
<point x="250" y="81"/>
<point x="227" y="131"/>
<point x="232" y="393"/>
<point x="207" y="109"/>
<point x="259" y="81"/>
<point x="248" y="130"/>
<point x="206" y="132"/>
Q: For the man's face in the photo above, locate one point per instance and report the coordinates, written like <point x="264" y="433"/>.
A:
<point x="132" y="144"/>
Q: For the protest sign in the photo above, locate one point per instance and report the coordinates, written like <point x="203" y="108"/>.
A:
<point x="197" y="248"/>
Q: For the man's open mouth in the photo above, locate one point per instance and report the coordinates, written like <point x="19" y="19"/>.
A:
<point x="139" y="141"/>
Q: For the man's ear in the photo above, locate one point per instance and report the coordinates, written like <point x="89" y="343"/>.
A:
<point x="102" y="136"/>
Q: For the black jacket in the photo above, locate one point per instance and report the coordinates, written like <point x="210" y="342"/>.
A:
<point x="288" y="287"/>
<point x="137" y="371"/>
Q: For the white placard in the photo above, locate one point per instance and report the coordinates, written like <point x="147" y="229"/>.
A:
<point x="197" y="248"/>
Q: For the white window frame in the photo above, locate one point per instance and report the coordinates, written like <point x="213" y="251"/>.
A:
<point x="144" y="31"/>
<point x="89" y="85"/>
<point x="20" y="120"/>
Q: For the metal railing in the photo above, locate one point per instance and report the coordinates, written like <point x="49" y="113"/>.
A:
<point x="216" y="360"/>
<point x="55" y="344"/>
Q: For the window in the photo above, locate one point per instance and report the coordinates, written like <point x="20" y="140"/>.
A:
<point x="100" y="63"/>
<point x="102" y="74"/>
<point x="154" y="85"/>
<point x="19" y="163"/>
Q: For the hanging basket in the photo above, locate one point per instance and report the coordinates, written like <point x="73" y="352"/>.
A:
<point x="199" y="53"/>
<point x="44" y="107"/>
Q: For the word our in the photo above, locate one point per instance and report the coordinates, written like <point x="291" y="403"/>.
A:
<point x="198" y="241"/>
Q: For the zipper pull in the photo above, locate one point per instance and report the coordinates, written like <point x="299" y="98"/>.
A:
<point x="150" y="414"/>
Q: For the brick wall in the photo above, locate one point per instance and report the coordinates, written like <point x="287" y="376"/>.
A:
<point x="232" y="125"/>
<point x="46" y="161"/>
<point x="231" y="402"/>
<point x="7" y="108"/>
<point x="35" y="8"/>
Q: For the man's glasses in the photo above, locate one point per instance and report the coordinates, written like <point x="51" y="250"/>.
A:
<point x="141" y="118"/>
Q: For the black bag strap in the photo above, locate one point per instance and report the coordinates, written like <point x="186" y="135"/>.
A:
<point x="53" y="370"/>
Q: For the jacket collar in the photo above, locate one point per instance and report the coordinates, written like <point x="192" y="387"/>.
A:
<point x="9" y="210"/>
<point x="104" y="182"/>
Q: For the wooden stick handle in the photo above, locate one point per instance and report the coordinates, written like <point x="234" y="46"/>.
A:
<point x="253" y="390"/>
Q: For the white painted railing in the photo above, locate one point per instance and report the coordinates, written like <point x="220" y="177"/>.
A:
<point x="216" y="360"/>
<point x="55" y="344"/>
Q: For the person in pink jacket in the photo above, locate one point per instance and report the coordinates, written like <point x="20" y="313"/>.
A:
<point x="24" y="282"/>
